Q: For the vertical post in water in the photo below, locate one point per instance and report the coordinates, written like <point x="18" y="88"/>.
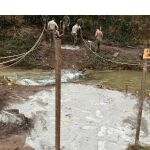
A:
<point x="126" y="88"/>
<point x="57" y="92"/>
<point x="141" y="103"/>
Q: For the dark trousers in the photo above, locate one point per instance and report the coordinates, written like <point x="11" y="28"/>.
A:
<point x="52" y="37"/>
<point x="74" y="38"/>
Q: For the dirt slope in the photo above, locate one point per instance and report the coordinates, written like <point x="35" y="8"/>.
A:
<point x="83" y="57"/>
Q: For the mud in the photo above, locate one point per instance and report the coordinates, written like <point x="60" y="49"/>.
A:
<point x="80" y="57"/>
<point x="75" y="58"/>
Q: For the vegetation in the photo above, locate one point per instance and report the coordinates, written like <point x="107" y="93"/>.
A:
<point x="118" y="29"/>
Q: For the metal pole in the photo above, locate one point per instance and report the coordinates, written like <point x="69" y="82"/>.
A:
<point x="141" y="103"/>
<point x="57" y="92"/>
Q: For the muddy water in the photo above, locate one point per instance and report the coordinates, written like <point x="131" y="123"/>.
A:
<point x="116" y="80"/>
<point x="111" y="79"/>
<point x="92" y="118"/>
<point x="39" y="77"/>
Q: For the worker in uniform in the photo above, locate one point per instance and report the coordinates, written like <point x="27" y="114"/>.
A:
<point x="52" y="27"/>
<point x="80" y="22"/>
<point x="98" y="37"/>
<point x="66" y="23"/>
<point x="74" y="33"/>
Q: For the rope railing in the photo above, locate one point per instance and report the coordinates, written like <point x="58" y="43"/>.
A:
<point x="106" y="59"/>
<point x="23" y="55"/>
<point x="11" y="56"/>
<point x="12" y="60"/>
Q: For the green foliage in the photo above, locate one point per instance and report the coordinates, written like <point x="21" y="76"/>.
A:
<point x="123" y="29"/>
<point x="93" y="60"/>
<point x="33" y="20"/>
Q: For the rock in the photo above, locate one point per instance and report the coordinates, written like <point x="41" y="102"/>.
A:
<point x="101" y="86"/>
<point x="87" y="71"/>
<point x="12" y="122"/>
<point x="13" y="111"/>
<point x="115" y="54"/>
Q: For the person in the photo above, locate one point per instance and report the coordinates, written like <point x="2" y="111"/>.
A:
<point x="80" y="22"/>
<point x="52" y="27"/>
<point x="58" y="35"/>
<point x="98" y="36"/>
<point x="66" y="23"/>
<point x="74" y="31"/>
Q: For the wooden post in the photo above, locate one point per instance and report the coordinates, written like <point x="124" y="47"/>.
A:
<point x="57" y="44"/>
<point x="141" y="103"/>
<point x="126" y="88"/>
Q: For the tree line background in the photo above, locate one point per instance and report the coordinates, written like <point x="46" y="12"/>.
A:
<point x="117" y="29"/>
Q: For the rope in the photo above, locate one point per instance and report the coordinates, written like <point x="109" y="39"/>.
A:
<point x="109" y="60"/>
<point x="5" y="62"/>
<point x="25" y="54"/>
<point x="12" y="56"/>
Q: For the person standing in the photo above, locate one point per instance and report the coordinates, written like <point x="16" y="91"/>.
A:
<point x="80" y="22"/>
<point x="98" y="36"/>
<point x="74" y="33"/>
<point x="66" y="23"/>
<point x="52" y="27"/>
